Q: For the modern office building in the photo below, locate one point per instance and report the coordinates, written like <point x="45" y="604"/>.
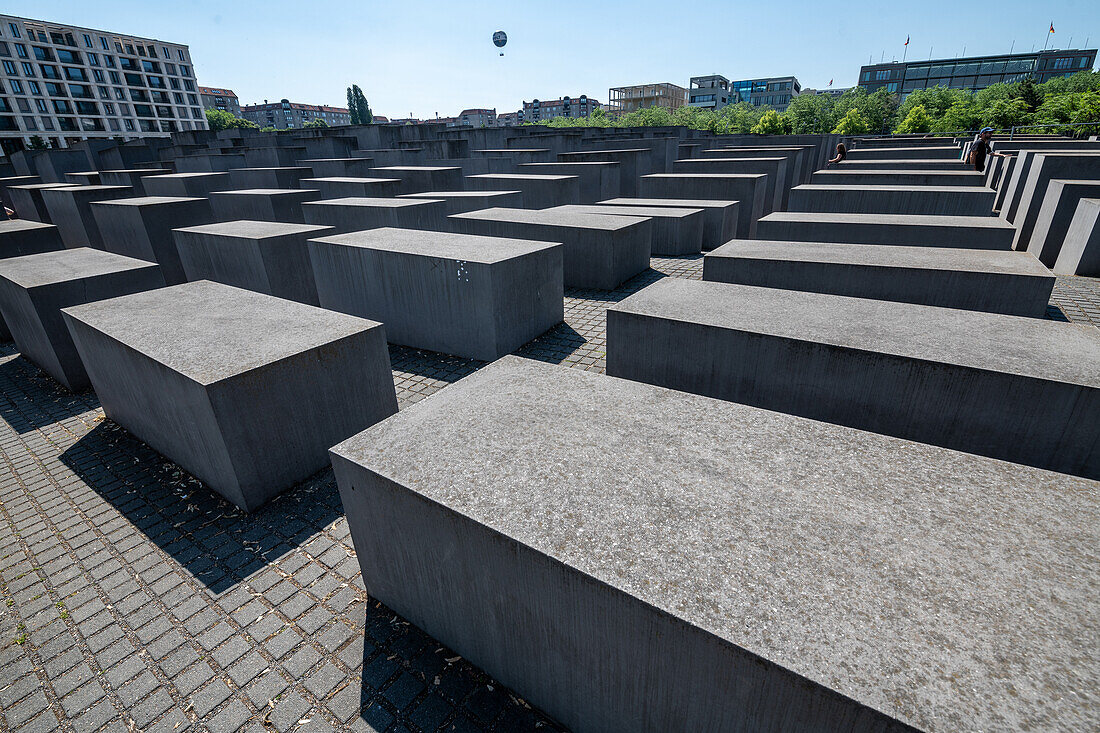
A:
<point x="223" y="99"/>
<point x="642" y="96"/>
<point x="287" y="115"/>
<point x="540" y="111"/>
<point x="712" y="92"/>
<point x="828" y="91"/>
<point x="974" y="72"/>
<point x="776" y="92"/>
<point x="66" y="83"/>
<point x="476" y="118"/>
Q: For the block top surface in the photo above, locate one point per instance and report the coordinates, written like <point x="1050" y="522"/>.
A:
<point x="608" y="151"/>
<point x="456" y="194"/>
<point x="207" y="174"/>
<point x="418" y="168"/>
<point x="344" y="179"/>
<point x="729" y="161"/>
<point x="378" y="202"/>
<point x="843" y="187"/>
<point x="944" y="589"/>
<point x="147" y="201"/>
<point x="1030" y="347"/>
<point x="681" y="203"/>
<point x="270" y="168"/>
<point x="22" y="225"/>
<point x="930" y="220"/>
<point x="208" y="331"/>
<point x="50" y="268"/>
<point x="466" y="247"/>
<point x="728" y="176"/>
<point x="550" y="217"/>
<point x="665" y="212"/>
<point x="579" y="164"/>
<point x="885" y="255"/>
<point x="265" y="192"/>
<point x="41" y="186"/>
<point x="513" y="150"/>
<point x="887" y="172"/>
<point x="251" y="229"/>
<point x="522" y="176"/>
<point x="146" y="171"/>
<point x="87" y="190"/>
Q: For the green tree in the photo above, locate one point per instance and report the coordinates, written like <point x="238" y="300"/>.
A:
<point x="222" y="120"/>
<point x="269" y="128"/>
<point x="316" y="122"/>
<point x="959" y="117"/>
<point x="359" y="110"/>
<point x="770" y="123"/>
<point x="851" y="124"/>
<point x="1030" y="94"/>
<point x="37" y="143"/>
<point x="1006" y="113"/>
<point x="918" y="120"/>
<point x="811" y="113"/>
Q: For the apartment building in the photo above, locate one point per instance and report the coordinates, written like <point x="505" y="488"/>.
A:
<point x="711" y="91"/>
<point x="223" y="99"/>
<point x="476" y="118"/>
<point x="542" y="110"/>
<point x="66" y="83"/>
<point x="287" y="115"/>
<point x="643" y="96"/>
<point x="776" y="92"/>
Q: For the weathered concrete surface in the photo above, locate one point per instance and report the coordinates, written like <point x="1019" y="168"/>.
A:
<point x="418" y="178"/>
<point x="916" y="165"/>
<point x="142" y="228"/>
<point x="27" y="200"/>
<point x="358" y="213"/>
<point x="340" y="167"/>
<point x="1055" y="216"/>
<point x="632" y="164"/>
<point x="1080" y="254"/>
<point x="1015" y="283"/>
<point x="599" y="251"/>
<point x="70" y="210"/>
<point x="801" y="158"/>
<point x="458" y="202"/>
<point x="598" y="179"/>
<point x="901" y="199"/>
<point x="186" y="184"/>
<point x="676" y="231"/>
<point x="263" y="256"/>
<point x="775" y="168"/>
<point x="1045" y="168"/>
<point x="262" y="204"/>
<point x="8" y="181"/>
<point x="1019" y="389"/>
<point x="342" y="187"/>
<point x="132" y="177"/>
<point x="281" y="177"/>
<point x="972" y="232"/>
<point x="901" y="177"/>
<point x="475" y="297"/>
<point x="719" y="217"/>
<point x="34" y="288"/>
<point x="83" y="178"/>
<point x="917" y="152"/>
<point x="243" y="390"/>
<point x="539" y="191"/>
<point x="21" y="237"/>
<point x="527" y="517"/>
<point x="747" y="188"/>
<point x="1020" y="174"/>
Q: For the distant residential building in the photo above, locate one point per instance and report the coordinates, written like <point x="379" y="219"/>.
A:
<point x="286" y="115"/>
<point x="642" y="96"/>
<point x="776" y="92"/>
<point x="223" y="99"/>
<point x="510" y="119"/>
<point x="540" y="111"/>
<point x="711" y="92"/>
<point x="477" y="118"/>
<point x="66" y="83"/>
<point x="974" y="72"/>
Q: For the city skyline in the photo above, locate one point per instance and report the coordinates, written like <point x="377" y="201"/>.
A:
<point x="439" y="59"/>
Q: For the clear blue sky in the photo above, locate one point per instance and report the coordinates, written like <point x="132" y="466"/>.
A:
<point x="426" y="57"/>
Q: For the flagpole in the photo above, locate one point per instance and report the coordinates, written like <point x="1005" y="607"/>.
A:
<point x="1047" y="39"/>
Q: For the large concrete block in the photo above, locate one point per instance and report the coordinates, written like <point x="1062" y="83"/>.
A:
<point x="598" y="179"/>
<point x="186" y="184"/>
<point x="342" y="187"/>
<point x="264" y="256"/>
<point x="21" y="237"/>
<point x="781" y="574"/>
<point x="458" y="202"/>
<point x="539" y="191"/>
<point x="1020" y="389"/>
<point x="475" y="297"/>
<point x="1015" y="283"/>
<point x="632" y="164"/>
<point x="243" y="390"/>
<point x="846" y="177"/>
<point x="142" y="228"/>
<point x="777" y="183"/>
<point x="905" y="199"/>
<point x="917" y="152"/>
<point x="418" y="178"/>
<point x="676" y="231"/>
<point x="750" y="189"/>
<point x="1045" y="168"/>
<point x="915" y="165"/>
<point x="1055" y="216"/>
<point x="283" y="177"/>
<point x="516" y="155"/>
<point x="972" y="232"/>
<point x="34" y="288"/>
<point x="70" y="209"/>
<point x="1080" y="253"/>
<point x="8" y="181"/>
<point x="340" y="167"/>
<point x="599" y="251"/>
<point x="83" y="178"/>
<point x="262" y="204"/>
<point x="719" y="217"/>
<point x="800" y="158"/>
<point x="359" y="213"/>
<point x="132" y="177"/>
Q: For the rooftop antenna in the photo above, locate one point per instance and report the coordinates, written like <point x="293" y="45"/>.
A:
<point x="930" y="53"/>
<point x="964" y="52"/>
<point x="882" y="57"/>
<point x="1012" y="47"/>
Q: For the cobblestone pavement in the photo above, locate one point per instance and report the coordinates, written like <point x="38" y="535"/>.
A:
<point x="133" y="599"/>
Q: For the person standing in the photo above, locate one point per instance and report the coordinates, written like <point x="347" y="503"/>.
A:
<point x="981" y="149"/>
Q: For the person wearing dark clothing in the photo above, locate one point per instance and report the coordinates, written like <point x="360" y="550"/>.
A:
<point x="841" y="154"/>
<point x="981" y="149"/>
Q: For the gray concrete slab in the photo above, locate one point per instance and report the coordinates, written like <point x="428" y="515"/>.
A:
<point x="916" y="165"/>
<point x="83" y="178"/>
<point x="457" y="202"/>
<point x="995" y="281"/>
<point x="1080" y="253"/>
<point x="470" y="296"/>
<point x="901" y="177"/>
<point x="418" y="178"/>
<point x="186" y="184"/>
<point x="539" y="191"/>
<point x="632" y="164"/>
<point x="354" y="214"/>
<point x="263" y="256"/>
<point x="274" y="177"/>
<point x="599" y="251"/>
<point x="70" y="210"/>
<point x="8" y="181"/>
<point x="340" y="167"/>
<point x="1008" y="387"/>
<point x="898" y="199"/>
<point x="598" y="179"/>
<point x="132" y="177"/>
<point x="516" y="155"/>
<point x="34" y="288"/>
<point x="528" y="518"/>
<point x="262" y="204"/>
<point x="1055" y="216"/>
<point x="1044" y="168"/>
<point x="972" y="232"/>
<point x="916" y="152"/>
<point x="27" y="200"/>
<point x="775" y="168"/>
<point x="747" y="188"/>
<point x="800" y="163"/>
<point x="243" y="390"/>
<point x="676" y="231"/>
<point x="19" y="237"/>
<point x="719" y="217"/>
<point x="342" y="187"/>
<point x="142" y="228"/>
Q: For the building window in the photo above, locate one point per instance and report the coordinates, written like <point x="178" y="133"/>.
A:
<point x="113" y="123"/>
<point x="109" y="60"/>
<point x="21" y="50"/>
<point x="97" y="75"/>
<point x="28" y="122"/>
<point x="16" y="86"/>
<point x="119" y="94"/>
<point x="167" y="53"/>
<point x="1064" y="63"/>
<point x="41" y="105"/>
<point x="179" y="52"/>
<point x="28" y="69"/>
<point x="47" y="123"/>
<point x="114" y="77"/>
<point x="174" y="82"/>
<point x="14" y="30"/>
<point x="9" y="68"/>
<point x="35" y="89"/>
<point x="23" y="105"/>
<point x="108" y="108"/>
<point x="185" y="70"/>
<point x="68" y="57"/>
<point x="129" y="124"/>
<point x="93" y="58"/>
<point x="88" y="40"/>
<point x="169" y="68"/>
<point x="104" y="44"/>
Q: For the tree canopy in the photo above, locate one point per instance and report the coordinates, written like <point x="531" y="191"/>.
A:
<point x="358" y="109"/>
<point x="222" y="120"/>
